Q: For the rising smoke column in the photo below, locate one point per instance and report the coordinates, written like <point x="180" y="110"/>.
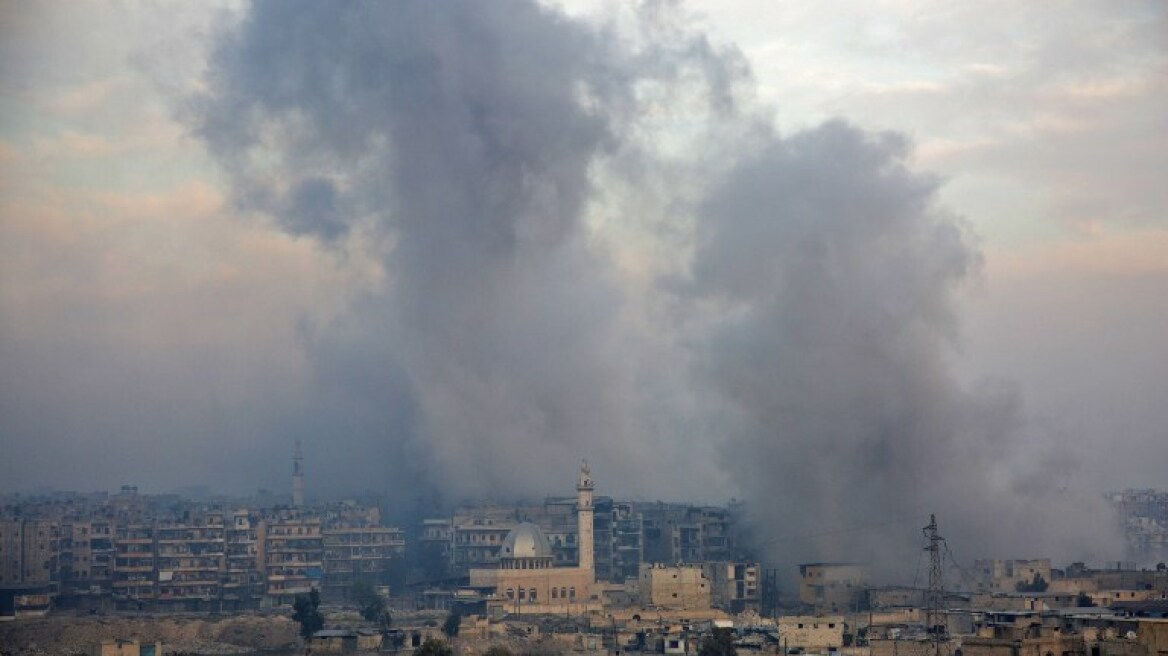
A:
<point x="835" y="277"/>
<point x="455" y="141"/>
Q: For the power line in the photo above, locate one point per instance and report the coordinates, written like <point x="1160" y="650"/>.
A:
<point x="841" y="531"/>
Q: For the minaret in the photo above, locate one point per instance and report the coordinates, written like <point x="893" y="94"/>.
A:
<point x="297" y="478"/>
<point x="584" y="489"/>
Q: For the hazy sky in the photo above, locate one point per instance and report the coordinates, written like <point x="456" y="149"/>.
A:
<point x="719" y="249"/>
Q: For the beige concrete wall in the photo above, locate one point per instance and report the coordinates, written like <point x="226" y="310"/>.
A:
<point x="1153" y="634"/>
<point x="832" y="587"/>
<point x="683" y="587"/>
<point x="565" y="580"/>
<point x="812" y="632"/>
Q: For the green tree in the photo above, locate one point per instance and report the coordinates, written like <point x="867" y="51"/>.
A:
<point x="434" y="647"/>
<point x="718" y="643"/>
<point x="372" y="605"/>
<point x="1037" y="584"/>
<point x="306" y="611"/>
<point x="498" y="650"/>
<point x="453" y="622"/>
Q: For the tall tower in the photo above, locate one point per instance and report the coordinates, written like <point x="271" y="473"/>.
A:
<point x="297" y="478"/>
<point x="584" y="487"/>
<point x="935" y="622"/>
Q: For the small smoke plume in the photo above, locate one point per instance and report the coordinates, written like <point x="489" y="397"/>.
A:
<point x="797" y="310"/>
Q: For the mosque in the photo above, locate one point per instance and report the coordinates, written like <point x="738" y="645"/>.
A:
<point x="526" y="580"/>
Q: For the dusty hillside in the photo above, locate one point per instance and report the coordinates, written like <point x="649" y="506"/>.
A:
<point x="65" y="636"/>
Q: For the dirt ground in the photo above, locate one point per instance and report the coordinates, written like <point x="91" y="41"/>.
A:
<point x="63" y="635"/>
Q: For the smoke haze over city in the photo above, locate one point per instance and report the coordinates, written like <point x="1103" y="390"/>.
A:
<point x="850" y="270"/>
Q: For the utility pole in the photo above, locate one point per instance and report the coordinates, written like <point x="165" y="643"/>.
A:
<point x="934" y="618"/>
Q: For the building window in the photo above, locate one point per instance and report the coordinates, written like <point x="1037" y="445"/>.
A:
<point x="534" y="596"/>
<point x="555" y="593"/>
<point x="510" y="593"/>
<point x="571" y="593"/>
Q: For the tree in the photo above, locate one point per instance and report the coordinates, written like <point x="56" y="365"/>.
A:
<point x="453" y="622"/>
<point x="306" y="611"/>
<point x="719" y="643"/>
<point x="434" y="647"/>
<point x="498" y="650"/>
<point x="372" y="605"/>
<point x="1084" y="600"/>
<point x="1037" y="584"/>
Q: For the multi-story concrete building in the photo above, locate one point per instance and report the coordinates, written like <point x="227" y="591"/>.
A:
<point x="243" y="582"/>
<point x="1011" y="575"/>
<point x="1144" y="518"/>
<point x="624" y="535"/>
<point x="89" y="543"/>
<point x="734" y="587"/>
<point x="291" y="549"/>
<point x="680" y="587"/>
<point x="477" y="536"/>
<point x="134" y="571"/>
<point x="626" y="545"/>
<point x="832" y="587"/>
<point x="359" y="553"/>
<point x="815" y="633"/>
<point x="29" y="565"/>
<point x="680" y="533"/>
<point x="191" y="559"/>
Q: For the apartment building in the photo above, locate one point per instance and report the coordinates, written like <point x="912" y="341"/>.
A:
<point x="832" y="587"/>
<point x="358" y="553"/>
<point x="134" y="569"/>
<point x="291" y="550"/>
<point x="243" y="582"/>
<point x="679" y="587"/>
<point x="734" y="587"/>
<point x="191" y="559"/>
<point x="87" y="545"/>
<point x="681" y="533"/>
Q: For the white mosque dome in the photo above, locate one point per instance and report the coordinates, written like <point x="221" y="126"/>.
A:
<point x="526" y="541"/>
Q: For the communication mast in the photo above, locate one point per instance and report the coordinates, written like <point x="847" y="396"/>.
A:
<point x="934" y="618"/>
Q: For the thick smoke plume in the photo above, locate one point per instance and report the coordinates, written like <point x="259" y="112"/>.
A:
<point x="836" y="278"/>
<point x="466" y="149"/>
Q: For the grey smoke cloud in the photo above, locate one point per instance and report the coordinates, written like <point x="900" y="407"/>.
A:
<point x="461" y="143"/>
<point x="835" y="275"/>
<point x="460" y="137"/>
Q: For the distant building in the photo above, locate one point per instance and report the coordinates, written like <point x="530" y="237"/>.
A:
<point x="1013" y="575"/>
<point x="1144" y="517"/>
<point x="134" y="570"/>
<point x="191" y="557"/>
<point x="243" y="582"/>
<point x="817" y="633"/>
<point x="291" y="550"/>
<point x="359" y="553"/>
<point x="678" y="587"/>
<point x="832" y="587"/>
<point x="734" y="587"/>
